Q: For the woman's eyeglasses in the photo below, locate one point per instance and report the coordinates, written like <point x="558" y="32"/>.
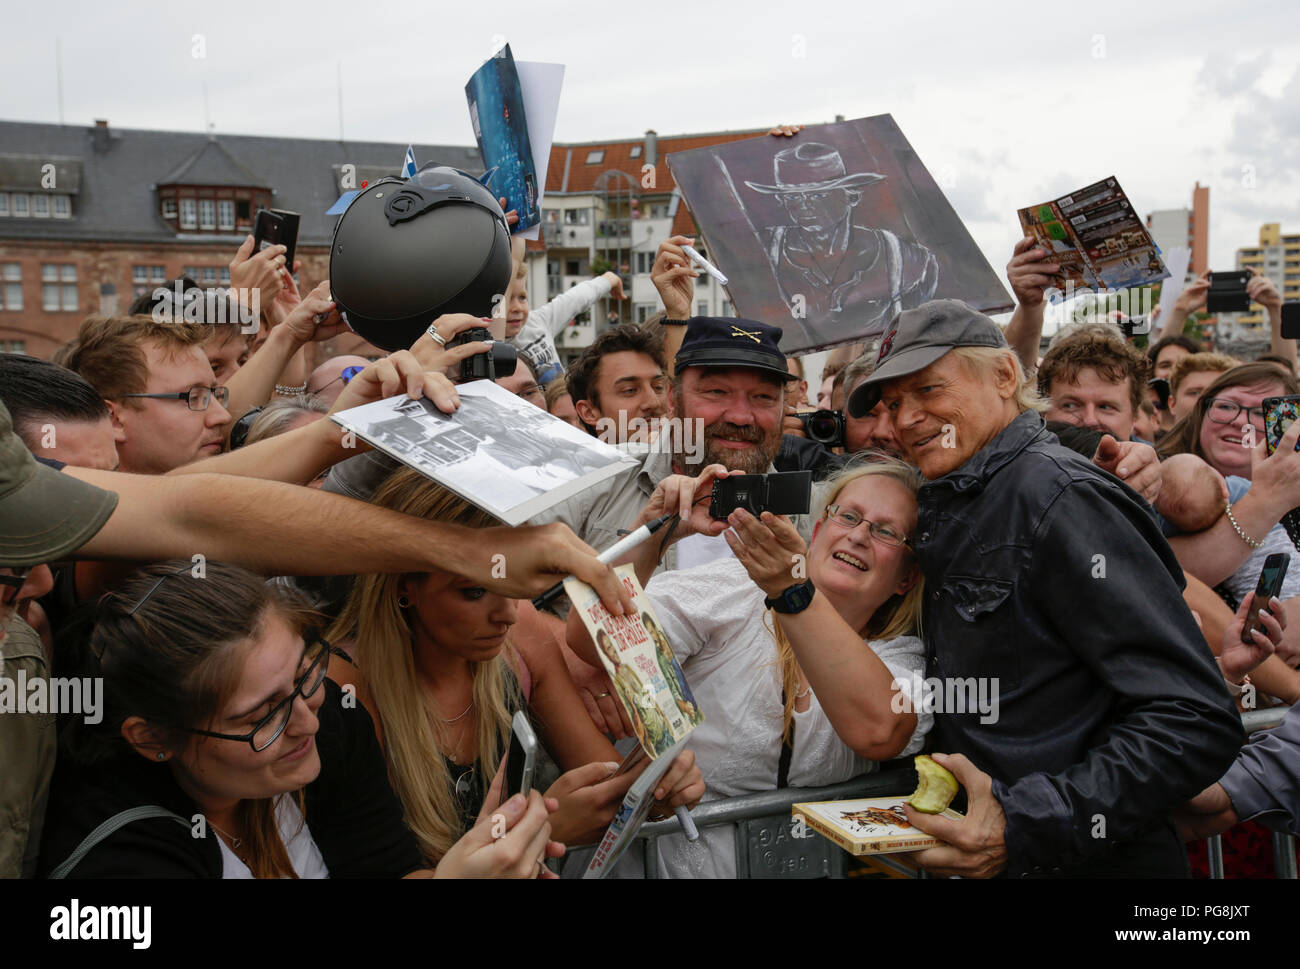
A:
<point x="884" y="534"/>
<point x="1224" y="411"/>
<point x="270" y="727"/>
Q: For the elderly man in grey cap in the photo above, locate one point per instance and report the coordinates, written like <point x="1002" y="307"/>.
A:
<point x="1047" y="581"/>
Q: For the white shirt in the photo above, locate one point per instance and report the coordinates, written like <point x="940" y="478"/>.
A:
<point x="714" y="617"/>
<point x="304" y="856"/>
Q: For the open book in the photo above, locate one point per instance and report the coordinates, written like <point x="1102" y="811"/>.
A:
<point x="498" y="451"/>
<point x="1096" y="238"/>
<point x="652" y="688"/>
<point x="866" y="826"/>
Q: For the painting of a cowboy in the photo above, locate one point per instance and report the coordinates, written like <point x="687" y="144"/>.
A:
<point x="829" y="258"/>
<point x="830" y="232"/>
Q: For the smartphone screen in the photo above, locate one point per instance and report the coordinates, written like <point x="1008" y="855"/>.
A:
<point x="1279" y="414"/>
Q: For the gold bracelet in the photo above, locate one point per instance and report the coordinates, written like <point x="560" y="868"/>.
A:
<point x="1237" y="528"/>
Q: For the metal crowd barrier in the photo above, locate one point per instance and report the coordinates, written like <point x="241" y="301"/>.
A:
<point x="766" y="845"/>
<point x="1284" y="866"/>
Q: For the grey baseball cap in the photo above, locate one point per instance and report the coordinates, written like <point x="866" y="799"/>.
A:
<point x="44" y="515"/>
<point x="917" y="338"/>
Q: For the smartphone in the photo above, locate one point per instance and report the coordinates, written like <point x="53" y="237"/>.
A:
<point x="277" y="227"/>
<point x="1279" y="414"/>
<point x="521" y="759"/>
<point x="1227" y="293"/>
<point x="1269" y="585"/>
<point x="1291" y="320"/>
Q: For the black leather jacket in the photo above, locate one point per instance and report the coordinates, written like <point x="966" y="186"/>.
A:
<point x="1048" y="574"/>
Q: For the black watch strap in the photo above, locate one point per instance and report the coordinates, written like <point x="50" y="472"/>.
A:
<point x="667" y="322"/>
<point x="797" y="598"/>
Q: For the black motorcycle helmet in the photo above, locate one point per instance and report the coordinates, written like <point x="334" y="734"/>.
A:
<point x="407" y="251"/>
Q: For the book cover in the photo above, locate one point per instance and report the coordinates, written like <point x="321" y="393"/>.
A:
<point x="867" y="826"/>
<point x="508" y="457"/>
<point x="1096" y="238"/>
<point x="652" y="688"/>
<point x="496" y="110"/>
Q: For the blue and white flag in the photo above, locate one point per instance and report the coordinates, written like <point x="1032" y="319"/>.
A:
<point x="408" y="166"/>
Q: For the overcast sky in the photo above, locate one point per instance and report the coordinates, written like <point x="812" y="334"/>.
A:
<point x="1007" y="105"/>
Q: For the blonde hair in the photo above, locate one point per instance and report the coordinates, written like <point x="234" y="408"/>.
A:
<point x="981" y="362"/>
<point x="1200" y="363"/>
<point x="413" y="727"/>
<point x="899" y="615"/>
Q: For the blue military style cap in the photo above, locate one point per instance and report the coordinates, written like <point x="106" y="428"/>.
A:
<point x="713" y="341"/>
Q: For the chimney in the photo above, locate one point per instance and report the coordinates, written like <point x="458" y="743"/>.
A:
<point x="99" y="134"/>
<point x="839" y="118"/>
<point x="651" y="147"/>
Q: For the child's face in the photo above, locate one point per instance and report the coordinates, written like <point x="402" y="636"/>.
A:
<point x="516" y="305"/>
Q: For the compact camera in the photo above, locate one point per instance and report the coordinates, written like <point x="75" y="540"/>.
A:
<point x="781" y="493"/>
<point x="500" y="361"/>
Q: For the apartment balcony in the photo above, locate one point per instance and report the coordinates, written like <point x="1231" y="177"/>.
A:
<point x="559" y="235"/>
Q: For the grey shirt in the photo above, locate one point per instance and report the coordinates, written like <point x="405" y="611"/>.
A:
<point x="1264" y="781"/>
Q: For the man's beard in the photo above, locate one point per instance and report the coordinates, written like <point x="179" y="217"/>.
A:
<point x="754" y="460"/>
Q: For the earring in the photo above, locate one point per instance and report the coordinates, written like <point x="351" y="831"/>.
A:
<point x="403" y="602"/>
<point x="162" y="756"/>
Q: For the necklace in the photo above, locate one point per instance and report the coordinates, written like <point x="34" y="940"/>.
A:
<point x="234" y="844"/>
<point x="463" y="715"/>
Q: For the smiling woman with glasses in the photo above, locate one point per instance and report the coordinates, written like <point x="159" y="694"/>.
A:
<point x="222" y="752"/>
<point x="804" y="650"/>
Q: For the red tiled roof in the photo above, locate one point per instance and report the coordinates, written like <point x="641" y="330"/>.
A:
<point x="618" y="154"/>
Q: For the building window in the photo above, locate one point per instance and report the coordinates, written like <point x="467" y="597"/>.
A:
<point x="189" y="214"/>
<point x="142" y="277"/>
<point x="575" y="216"/>
<point x="209" y="275"/>
<point x="11" y="293"/>
<point x="13" y="346"/>
<point x="644" y="311"/>
<point x="571" y="267"/>
<point x="242" y="211"/>
<point x="636" y="152"/>
<point x="40" y="206"/>
<point x="59" y="288"/>
<point x="62" y="207"/>
<point x="4" y="203"/>
<point x="207" y="214"/>
<point x="225" y="214"/>
<point x="20" y="210"/>
<point x="595" y="157"/>
<point x="701" y="309"/>
<point x="726" y="307"/>
<point x="169" y="208"/>
<point x="644" y="262"/>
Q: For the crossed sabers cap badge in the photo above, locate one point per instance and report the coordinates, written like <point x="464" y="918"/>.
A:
<point x="752" y="334"/>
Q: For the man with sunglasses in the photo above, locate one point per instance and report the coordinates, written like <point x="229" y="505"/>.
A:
<point x="166" y="407"/>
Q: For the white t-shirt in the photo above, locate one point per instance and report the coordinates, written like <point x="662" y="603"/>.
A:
<point x="303" y="853"/>
<point x="719" y="629"/>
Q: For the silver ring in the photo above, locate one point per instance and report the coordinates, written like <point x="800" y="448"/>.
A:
<point x="433" y="332"/>
<point x="601" y="696"/>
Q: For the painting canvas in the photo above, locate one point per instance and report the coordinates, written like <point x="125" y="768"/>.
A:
<point x="830" y="233"/>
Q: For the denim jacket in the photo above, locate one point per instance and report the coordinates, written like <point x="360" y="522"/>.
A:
<point x="1049" y="575"/>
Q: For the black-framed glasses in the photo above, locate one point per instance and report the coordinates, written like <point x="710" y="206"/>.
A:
<point x="197" y="398"/>
<point x="885" y="534"/>
<point x="11" y="585"/>
<point x="269" y="728"/>
<point x="1224" y="411"/>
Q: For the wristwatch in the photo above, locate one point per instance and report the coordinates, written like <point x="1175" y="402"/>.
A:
<point x="667" y="322"/>
<point x="797" y="598"/>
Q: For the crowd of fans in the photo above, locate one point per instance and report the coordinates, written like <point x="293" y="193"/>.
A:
<point x="309" y="647"/>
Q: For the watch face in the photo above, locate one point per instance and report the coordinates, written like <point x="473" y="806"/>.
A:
<point x="797" y="598"/>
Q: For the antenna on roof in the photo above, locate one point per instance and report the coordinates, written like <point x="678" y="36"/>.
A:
<point x="207" y="115"/>
<point x="58" y="73"/>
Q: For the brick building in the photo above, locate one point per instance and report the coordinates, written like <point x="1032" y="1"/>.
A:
<point x="90" y="217"/>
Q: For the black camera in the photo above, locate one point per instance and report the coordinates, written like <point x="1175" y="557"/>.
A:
<point x="1291" y="320"/>
<point x="500" y="361"/>
<point x="1227" y="292"/>
<point x="781" y="493"/>
<point x="1133" y="326"/>
<point x="826" y="427"/>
